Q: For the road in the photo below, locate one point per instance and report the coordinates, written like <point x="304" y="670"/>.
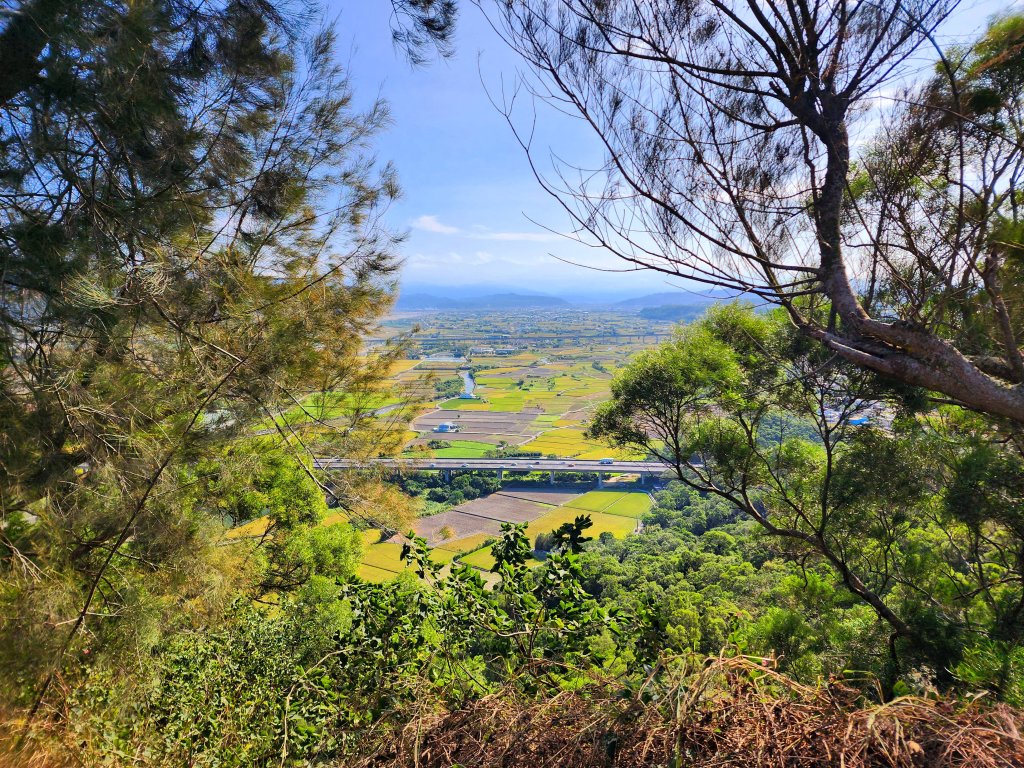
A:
<point x="513" y="464"/>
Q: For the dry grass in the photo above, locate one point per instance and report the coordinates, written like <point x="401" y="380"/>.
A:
<point x="46" y="750"/>
<point x="729" y="712"/>
<point x="733" y="712"/>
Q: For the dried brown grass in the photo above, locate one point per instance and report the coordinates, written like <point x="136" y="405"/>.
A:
<point x="728" y="712"/>
<point x="44" y="752"/>
<point x="732" y="712"/>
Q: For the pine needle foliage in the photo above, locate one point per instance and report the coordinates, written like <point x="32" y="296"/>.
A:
<point x="190" y="242"/>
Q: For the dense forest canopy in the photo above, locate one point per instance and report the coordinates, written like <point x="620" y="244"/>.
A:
<point x="897" y="513"/>
<point x="193" y="252"/>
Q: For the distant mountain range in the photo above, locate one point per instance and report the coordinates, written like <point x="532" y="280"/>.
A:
<point x="674" y="313"/>
<point x="673" y="298"/>
<point x="424" y="301"/>
<point x="470" y="291"/>
<point x="667" y="305"/>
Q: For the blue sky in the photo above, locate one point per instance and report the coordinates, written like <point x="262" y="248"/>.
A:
<point x="468" y="191"/>
<point x="469" y="197"/>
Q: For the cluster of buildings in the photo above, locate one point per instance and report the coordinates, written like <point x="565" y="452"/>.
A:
<point x="492" y="351"/>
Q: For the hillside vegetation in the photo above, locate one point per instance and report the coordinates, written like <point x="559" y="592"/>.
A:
<point x="828" y="569"/>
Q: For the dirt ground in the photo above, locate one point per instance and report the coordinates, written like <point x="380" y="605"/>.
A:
<point x="499" y="506"/>
<point x="476" y="516"/>
<point x="482" y="426"/>
<point x="555" y="495"/>
<point x="460" y="523"/>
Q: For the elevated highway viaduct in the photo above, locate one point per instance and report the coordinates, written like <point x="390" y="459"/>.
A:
<point x="599" y="468"/>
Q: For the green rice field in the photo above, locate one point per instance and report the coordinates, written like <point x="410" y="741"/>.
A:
<point x="465" y="544"/>
<point x="616" y="525"/>
<point x="634" y="505"/>
<point x="463" y="449"/>
<point x="597" y="501"/>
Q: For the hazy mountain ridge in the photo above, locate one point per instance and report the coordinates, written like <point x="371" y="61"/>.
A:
<point x="492" y="301"/>
<point x="424" y="297"/>
<point x="673" y="312"/>
<point x="428" y="301"/>
<point x="674" y="298"/>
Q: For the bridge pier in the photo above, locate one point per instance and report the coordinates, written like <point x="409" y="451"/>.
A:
<point x="649" y="471"/>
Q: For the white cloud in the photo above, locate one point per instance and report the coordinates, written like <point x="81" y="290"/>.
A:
<point x="431" y="224"/>
<point x="456" y="260"/>
<point x="520" y="237"/>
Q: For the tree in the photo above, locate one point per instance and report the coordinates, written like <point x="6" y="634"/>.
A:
<point x="39" y="33"/>
<point x="190" y="241"/>
<point x="895" y="510"/>
<point x="285" y="543"/>
<point x="727" y="129"/>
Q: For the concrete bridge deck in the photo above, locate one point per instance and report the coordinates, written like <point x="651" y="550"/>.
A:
<point x="596" y="467"/>
<point x="513" y="464"/>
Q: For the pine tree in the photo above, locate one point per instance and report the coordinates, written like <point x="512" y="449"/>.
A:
<point x="190" y="241"/>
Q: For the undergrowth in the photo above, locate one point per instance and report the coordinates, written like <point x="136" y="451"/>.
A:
<point x="724" y="712"/>
<point x="732" y="712"/>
